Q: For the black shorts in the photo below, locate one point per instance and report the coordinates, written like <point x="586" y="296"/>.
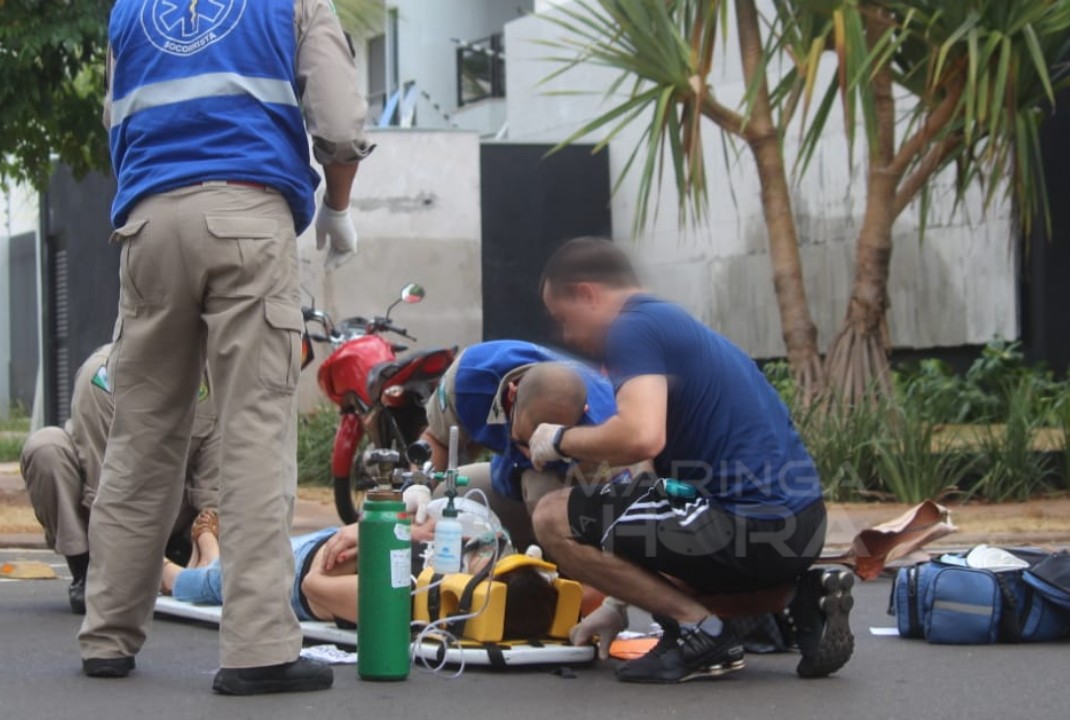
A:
<point x="696" y="541"/>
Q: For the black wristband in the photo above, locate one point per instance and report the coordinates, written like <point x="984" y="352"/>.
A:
<point x="558" y="437"/>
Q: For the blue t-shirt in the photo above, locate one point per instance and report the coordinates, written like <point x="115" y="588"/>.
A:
<point x="728" y="430"/>
<point x="476" y="391"/>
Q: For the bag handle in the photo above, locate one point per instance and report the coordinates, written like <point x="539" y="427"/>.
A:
<point x="1010" y="622"/>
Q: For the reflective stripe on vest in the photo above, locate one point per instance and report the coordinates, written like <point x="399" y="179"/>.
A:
<point x="168" y="92"/>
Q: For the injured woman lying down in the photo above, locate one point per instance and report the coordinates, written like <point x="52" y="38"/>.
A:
<point x="325" y="584"/>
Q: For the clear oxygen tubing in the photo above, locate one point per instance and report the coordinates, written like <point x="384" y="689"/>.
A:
<point x="437" y="630"/>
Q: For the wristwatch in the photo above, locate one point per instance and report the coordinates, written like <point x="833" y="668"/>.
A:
<point x="558" y="437"/>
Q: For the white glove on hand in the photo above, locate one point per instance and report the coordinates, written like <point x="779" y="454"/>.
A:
<point x="605" y="623"/>
<point x="541" y="445"/>
<point x="336" y="226"/>
<point x="416" y="499"/>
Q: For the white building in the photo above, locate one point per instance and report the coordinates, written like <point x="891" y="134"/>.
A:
<point x="444" y="75"/>
<point x="965" y="268"/>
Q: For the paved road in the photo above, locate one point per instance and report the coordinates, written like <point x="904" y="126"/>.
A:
<point x="888" y="678"/>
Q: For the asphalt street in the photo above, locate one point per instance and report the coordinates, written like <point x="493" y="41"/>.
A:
<point x="888" y="678"/>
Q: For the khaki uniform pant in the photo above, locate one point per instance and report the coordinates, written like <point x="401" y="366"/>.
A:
<point x="62" y="496"/>
<point x="514" y="514"/>
<point x="207" y="272"/>
<point x="57" y="490"/>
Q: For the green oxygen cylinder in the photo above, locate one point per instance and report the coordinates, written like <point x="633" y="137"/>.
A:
<point x="384" y="571"/>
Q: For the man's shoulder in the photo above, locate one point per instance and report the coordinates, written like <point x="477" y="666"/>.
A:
<point x="502" y="352"/>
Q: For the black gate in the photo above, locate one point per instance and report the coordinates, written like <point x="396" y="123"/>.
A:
<point x="531" y="204"/>
<point x="22" y="299"/>
<point x="80" y="280"/>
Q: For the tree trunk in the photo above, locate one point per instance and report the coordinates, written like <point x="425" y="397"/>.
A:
<point x="857" y="361"/>
<point x="797" y="324"/>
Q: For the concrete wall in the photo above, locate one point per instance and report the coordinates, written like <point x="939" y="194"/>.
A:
<point x="18" y="214"/>
<point x="957" y="287"/>
<point x="416" y="206"/>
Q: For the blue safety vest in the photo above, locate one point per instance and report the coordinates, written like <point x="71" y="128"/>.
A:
<point x="206" y="90"/>
<point x="481" y="371"/>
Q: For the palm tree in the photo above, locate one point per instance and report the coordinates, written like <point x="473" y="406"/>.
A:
<point x="933" y="83"/>
<point x="664" y="52"/>
<point x="936" y="83"/>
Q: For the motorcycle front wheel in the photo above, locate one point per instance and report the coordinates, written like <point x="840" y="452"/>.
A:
<point x="351" y="492"/>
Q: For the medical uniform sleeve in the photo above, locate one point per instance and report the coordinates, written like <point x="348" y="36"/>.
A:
<point x="327" y="84"/>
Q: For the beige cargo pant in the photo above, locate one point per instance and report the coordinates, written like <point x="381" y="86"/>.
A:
<point x="57" y="491"/>
<point x="61" y="493"/>
<point x="206" y="272"/>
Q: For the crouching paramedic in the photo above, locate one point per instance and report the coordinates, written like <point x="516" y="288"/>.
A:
<point x="737" y="508"/>
<point x="207" y="112"/>
<point x="479" y="395"/>
<point x="61" y="468"/>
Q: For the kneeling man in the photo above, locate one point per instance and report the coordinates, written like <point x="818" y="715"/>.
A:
<point x="491" y="393"/>
<point x="736" y="506"/>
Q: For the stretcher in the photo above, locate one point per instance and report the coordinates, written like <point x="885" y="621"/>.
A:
<point x="322" y="632"/>
<point x="496" y="655"/>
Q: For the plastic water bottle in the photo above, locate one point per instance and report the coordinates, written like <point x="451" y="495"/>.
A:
<point x="384" y="609"/>
<point x="448" y="532"/>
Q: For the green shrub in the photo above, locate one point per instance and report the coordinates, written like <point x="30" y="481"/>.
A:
<point x="18" y="420"/>
<point x="778" y="373"/>
<point x="10" y="448"/>
<point x="937" y="394"/>
<point x="841" y="443"/>
<point x="1012" y="469"/>
<point x="315" y="441"/>
<point x="909" y="470"/>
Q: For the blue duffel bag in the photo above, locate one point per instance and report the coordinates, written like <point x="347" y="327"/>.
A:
<point x="946" y="602"/>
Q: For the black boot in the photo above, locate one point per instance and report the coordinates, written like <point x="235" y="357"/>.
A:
<point x="299" y="676"/>
<point x="108" y="667"/>
<point x="79" y="566"/>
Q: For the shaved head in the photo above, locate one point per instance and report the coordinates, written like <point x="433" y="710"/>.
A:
<point x="548" y="393"/>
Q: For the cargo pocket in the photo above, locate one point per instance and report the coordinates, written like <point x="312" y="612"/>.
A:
<point x="128" y="286"/>
<point x="256" y="242"/>
<point x="280" y="352"/>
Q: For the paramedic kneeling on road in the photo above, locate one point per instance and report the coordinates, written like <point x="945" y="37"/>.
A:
<point x="61" y="467"/>
<point x="490" y="393"/>
<point x="738" y="507"/>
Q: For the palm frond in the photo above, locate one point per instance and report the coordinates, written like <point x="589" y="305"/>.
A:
<point x="666" y="48"/>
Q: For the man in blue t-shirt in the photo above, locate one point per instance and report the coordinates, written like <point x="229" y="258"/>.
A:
<point x="496" y="394"/>
<point x="736" y="506"/>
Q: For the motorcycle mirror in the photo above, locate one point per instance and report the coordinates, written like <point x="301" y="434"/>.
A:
<point x="412" y="293"/>
<point x="418" y="453"/>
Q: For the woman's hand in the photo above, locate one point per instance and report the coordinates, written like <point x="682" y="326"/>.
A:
<point x="423" y="532"/>
<point x="341" y="548"/>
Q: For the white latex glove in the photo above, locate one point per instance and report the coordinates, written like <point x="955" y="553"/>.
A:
<point x="416" y="499"/>
<point x="605" y="623"/>
<point x="541" y="445"/>
<point x="336" y="226"/>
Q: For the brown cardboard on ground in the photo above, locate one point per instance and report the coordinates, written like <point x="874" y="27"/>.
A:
<point x="27" y="570"/>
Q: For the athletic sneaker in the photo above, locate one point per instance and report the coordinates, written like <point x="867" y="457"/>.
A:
<point x="821" y="614"/>
<point x="683" y="655"/>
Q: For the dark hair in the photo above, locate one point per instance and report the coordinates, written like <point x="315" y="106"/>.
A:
<point x="530" y="604"/>
<point x="588" y="259"/>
